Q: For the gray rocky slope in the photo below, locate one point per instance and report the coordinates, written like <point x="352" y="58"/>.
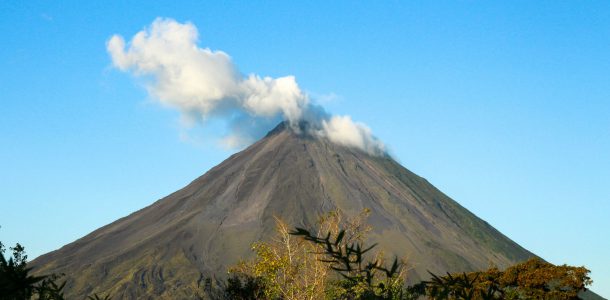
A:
<point x="163" y="250"/>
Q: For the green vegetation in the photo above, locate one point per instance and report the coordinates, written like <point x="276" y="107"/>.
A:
<point x="17" y="283"/>
<point x="346" y="269"/>
<point x="331" y="262"/>
<point x="532" y="279"/>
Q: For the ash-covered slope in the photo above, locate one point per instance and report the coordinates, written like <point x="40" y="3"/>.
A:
<point x="163" y="250"/>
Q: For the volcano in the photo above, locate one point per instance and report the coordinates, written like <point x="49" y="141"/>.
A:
<point x="167" y="248"/>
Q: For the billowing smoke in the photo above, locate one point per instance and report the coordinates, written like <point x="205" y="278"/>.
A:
<point x="342" y="130"/>
<point x="204" y="84"/>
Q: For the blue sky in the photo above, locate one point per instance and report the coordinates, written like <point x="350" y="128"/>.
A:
<point x="503" y="106"/>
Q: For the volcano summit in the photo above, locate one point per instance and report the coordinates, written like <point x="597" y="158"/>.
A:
<point x="165" y="249"/>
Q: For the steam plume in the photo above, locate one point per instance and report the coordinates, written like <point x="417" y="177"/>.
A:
<point x="204" y="84"/>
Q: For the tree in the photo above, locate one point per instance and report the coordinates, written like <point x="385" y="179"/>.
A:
<point x="284" y="267"/>
<point x="288" y="267"/>
<point x="536" y="278"/>
<point x="361" y="279"/>
<point x="532" y="279"/>
<point x="15" y="279"/>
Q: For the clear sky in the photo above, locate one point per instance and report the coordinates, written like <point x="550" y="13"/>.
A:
<point x="504" y="106"/>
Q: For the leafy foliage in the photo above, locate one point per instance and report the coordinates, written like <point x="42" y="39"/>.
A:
<point x="538" y="279"/>
<point x="285" y="267"/>
<point x="49" y="289"/>
<point x="291" y="266"/>
<point x="361" y="279"/>
<point x="532" y="279"/>
<point x="282" y="268"/>
<point x="15" y="279"/>
<point x="242" y="287"/>
<point x="17" y="283"/>
<point x="98" y="297"/>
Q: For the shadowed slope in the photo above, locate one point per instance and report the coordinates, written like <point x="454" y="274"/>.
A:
<point x="164" y="249"/>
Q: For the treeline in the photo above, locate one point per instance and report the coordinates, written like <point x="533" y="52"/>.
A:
<point x="334" y="263"/>
<point x="331" y="262"/>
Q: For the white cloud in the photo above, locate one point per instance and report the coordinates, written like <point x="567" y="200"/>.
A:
<point x="203" y="84"/>
<point x="200" y="80"/>
<point x="342" y="130"/>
